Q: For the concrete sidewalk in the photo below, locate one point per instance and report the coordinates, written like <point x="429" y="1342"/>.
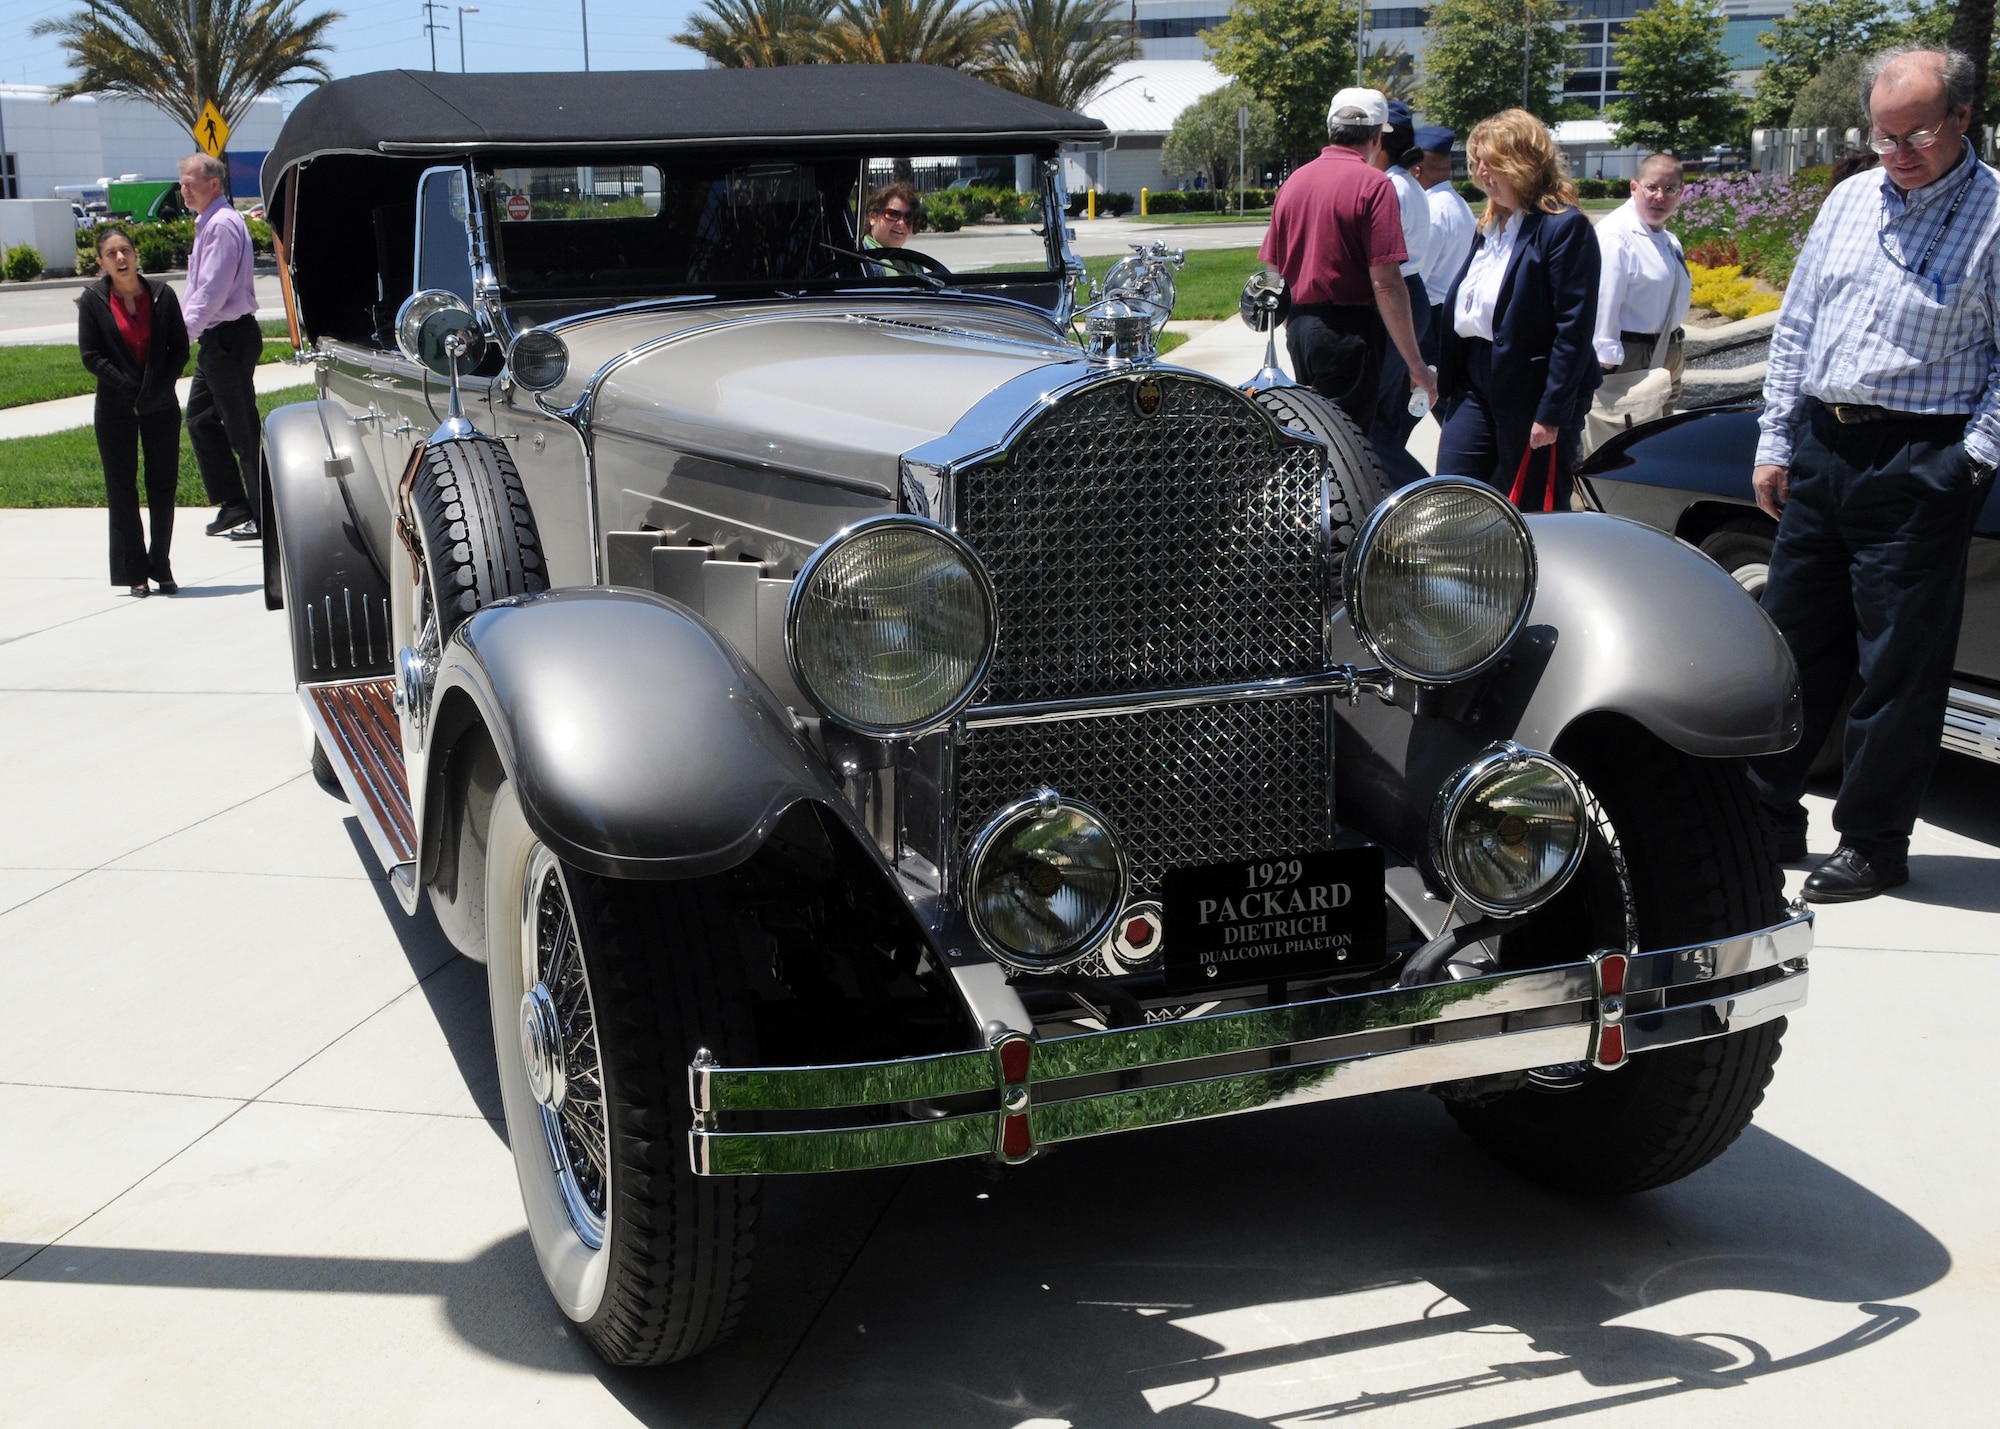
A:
<point x="252" y="1170"/>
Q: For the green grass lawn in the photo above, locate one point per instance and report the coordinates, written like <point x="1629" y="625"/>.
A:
<point x="1255" y="215"/>
<point x="1209" y="286"/>
<point x="61" y="469"/>
<point x="42" y="373"/>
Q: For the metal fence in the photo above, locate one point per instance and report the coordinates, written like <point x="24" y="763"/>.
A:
<point x="1786" y="151"/>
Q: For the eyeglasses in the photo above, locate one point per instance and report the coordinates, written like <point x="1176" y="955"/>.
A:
<point x="1915" y="139"/>
<point x="899" y="215"/>
<point x="1660" y="190"/>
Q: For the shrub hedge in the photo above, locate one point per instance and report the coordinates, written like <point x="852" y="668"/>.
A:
<point x="1206" y="200"/>
<point x="24" y="263"/>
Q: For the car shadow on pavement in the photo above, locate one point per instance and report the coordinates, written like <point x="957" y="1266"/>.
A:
<point x="1964" y="798"/>
<point x="1324" y="1263"/>
<point x="1949" y="880"/>
<point x="453" y="985"/>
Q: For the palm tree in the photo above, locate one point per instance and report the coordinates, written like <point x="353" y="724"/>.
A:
<point x="1059" y="51"/>
<point x="759" y="34"/>
<point x="1392" y="70"/>
<point x="180" y="54"/>
<point x="888" y="32"/>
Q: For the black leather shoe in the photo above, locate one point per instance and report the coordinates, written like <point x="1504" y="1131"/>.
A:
<point x="1850" y="875"/>
<point x="1792" y="846"/>
<point x="169" y="588"/>
<point x="228" y="518"/>
<point x="246" y="532"/>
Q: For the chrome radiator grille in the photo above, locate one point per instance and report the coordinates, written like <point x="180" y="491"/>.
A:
<point x="1141" y="552"/>
<point x="1182" y="787"/>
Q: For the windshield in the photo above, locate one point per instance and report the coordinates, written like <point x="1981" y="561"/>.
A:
<point x="572" y="234"/>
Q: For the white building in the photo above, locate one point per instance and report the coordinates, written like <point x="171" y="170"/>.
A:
<point x="1139" y="103"/>
<point x="81" y="141"/>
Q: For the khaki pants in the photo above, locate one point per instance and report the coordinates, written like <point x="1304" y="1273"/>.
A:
<point x="1638" y="351"/>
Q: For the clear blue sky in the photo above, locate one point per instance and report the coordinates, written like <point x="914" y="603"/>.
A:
<point x="389" y="34"/>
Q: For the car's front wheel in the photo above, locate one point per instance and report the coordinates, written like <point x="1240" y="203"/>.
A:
<point x="601" y="992"/>
<point x="1679" y="855"/>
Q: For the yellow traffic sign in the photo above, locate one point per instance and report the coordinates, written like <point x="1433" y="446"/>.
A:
<point x="211" y="131"/>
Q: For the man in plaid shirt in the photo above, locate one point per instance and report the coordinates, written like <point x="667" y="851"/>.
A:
<point x="1881" y="430"/>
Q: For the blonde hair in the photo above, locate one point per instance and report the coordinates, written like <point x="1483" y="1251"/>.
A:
<point x="1522" y="149"/>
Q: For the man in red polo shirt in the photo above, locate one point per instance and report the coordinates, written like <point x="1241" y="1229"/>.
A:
<point x="1337" y="237"/>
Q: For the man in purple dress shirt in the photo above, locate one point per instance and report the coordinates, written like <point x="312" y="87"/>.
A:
<point x="220" y="306"/>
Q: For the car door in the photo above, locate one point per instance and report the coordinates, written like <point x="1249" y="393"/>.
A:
<point x="1979" y="635"/>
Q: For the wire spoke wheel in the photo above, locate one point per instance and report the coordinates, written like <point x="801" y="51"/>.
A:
<point x="569" y="1086"/>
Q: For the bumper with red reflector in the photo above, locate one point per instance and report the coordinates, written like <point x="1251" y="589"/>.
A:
<point x="1006" y="1100"/>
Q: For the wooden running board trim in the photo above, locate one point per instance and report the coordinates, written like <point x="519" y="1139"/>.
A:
<point x="357" y="725"/>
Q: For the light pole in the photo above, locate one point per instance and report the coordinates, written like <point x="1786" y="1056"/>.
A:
<point x="463" y="11"/>
<point x="585" y="4"/>
<point x="431" y="27"/>
<point x="1527" y="48"/>
<point x="1360" y="42"/>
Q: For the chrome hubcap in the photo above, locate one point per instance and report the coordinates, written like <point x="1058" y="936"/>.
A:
<point x="1753" y="578"/>
<point x="541" y="1047"/>
<point x="559" y="1051"/>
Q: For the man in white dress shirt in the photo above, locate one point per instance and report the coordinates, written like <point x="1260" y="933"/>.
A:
<point x="1452" y="228"/>
<point x="1644" y="288"/>
<point x="1393" y="423"/>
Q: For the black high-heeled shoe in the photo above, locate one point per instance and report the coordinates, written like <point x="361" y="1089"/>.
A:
<point x="169" y="587"/>
<point x="141" y="591"/>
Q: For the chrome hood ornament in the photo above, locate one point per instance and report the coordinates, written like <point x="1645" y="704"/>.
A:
<point x="1122" y="326"/>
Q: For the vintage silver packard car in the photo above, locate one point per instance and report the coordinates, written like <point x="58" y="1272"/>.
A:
<point x="870" y="712"/>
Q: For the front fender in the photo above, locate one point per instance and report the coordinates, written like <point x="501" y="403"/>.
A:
<point x="641" y="745"/>
<point x="1626" y="621"/>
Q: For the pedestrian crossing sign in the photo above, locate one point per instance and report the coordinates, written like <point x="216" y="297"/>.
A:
<point x="211" y="131"/>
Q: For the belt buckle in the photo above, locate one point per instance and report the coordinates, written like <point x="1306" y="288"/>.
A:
<point x="1848" y="414"/>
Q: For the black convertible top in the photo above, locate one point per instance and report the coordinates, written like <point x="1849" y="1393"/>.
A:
<point x="417" y="112"/>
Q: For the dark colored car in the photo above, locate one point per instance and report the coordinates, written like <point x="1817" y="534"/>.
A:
<point x="1689" y="475"/>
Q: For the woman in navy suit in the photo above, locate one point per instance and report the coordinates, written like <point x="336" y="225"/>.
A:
<point x="1516" y="368"/>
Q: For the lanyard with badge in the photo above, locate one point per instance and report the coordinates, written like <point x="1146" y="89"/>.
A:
<point x="1931" y="248"/>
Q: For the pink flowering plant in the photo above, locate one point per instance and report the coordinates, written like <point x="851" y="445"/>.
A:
<point x="1762" y="217"/>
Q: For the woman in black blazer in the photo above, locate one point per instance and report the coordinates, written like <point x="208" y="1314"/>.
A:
<point x="130" y="335"/>
<point x="1516" y="368"/>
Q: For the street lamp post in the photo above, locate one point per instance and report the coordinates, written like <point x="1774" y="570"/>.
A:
<point x="585" y="4"/>
<point x="463" y="11"/>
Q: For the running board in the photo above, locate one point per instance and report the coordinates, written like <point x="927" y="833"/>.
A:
<point x="1972" y="725"/>
<point x="362" y="735"/>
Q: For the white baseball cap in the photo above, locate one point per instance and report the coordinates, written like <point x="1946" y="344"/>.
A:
<point x="1359" y="106"/>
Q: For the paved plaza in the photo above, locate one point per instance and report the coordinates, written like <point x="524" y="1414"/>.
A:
<point x="253" y="1170"/>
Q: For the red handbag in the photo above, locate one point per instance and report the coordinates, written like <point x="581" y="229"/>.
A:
<point x="1521" y="478"/>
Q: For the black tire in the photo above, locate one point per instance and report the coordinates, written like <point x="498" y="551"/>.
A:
<point x="322" y="768"/>
<point x="1356" y="475"/>
<point x="480" y="539"/>
<point x="662" y="976"/>
<point x="1743" y="548"/>
<point x="1699" y="862"/>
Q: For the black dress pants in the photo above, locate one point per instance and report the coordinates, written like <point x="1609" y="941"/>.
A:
<point x="1390" y="435"/>
<point x="1483" y="440"/>
<point x="1337" y="351"/>
<point x="222" y="412"/>
<point x="1868" y="578"/>
<point x="121" y="436"/>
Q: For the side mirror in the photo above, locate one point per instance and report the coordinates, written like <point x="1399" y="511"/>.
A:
<point x="425" y="323"/>
<point x="1265" y="302"/>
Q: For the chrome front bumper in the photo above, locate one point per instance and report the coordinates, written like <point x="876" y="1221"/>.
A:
<point x="1022" y="1093"/>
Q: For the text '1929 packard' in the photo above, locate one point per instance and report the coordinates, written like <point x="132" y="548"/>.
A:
<point x="864" y="709"/>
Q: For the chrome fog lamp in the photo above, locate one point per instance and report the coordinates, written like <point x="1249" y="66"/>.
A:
<point x="1045" y="882"/>
<point x="1509" y="830"/>
<point x="1440" y="579"/>
<point x="539" y="359"/>
<point x="891" y="625"/>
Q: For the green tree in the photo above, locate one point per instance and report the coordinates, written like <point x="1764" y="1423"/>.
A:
<point x="1831" y="99"/>
<point x="181" y="54"/>
<point x="758" y="34"/>
<point x="1204" y="139"/>
<point x="1483" y="54"/>
<point x="1802" y="43"/>
<point x="1675" y="78"/>
<point x="1391" y="69"/>
<point x="1295" y="55"/>
<point x="953" y="33"/>
<point x="1058" y="51"/>
<point x="1972" y="32"/>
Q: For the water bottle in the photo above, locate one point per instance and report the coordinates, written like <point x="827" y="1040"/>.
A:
<point x="1420" y="400"/>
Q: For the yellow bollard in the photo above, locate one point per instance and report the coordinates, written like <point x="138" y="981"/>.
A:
<point x="1091" y="206"/>
<point x="1142" y="203"/>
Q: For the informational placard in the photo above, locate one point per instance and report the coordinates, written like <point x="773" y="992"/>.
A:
<point x="1266" y="919"/>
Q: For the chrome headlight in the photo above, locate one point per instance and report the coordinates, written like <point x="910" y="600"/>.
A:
<point x="1440" y="579"/>
<point x="1509" y="830"/>
<point x="539" y="359"/>
<point x="891" y="625"/>
<point x="1045" y="882"/>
